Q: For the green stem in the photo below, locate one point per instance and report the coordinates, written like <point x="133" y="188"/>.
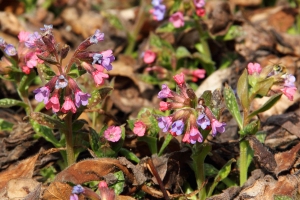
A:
<point x="69" y="139"/>
<point x="244" y="145"/>
<point x="243" y="161"/>
<point x="198" y="157"/>
<point x="132" y="36"/>
<point x="206" y="50"/>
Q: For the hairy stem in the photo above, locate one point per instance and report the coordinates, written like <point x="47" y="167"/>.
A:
<point x="69" y="139"/>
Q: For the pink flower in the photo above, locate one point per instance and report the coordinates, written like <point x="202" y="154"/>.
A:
<point x="163" y="106"/>
<point x="254" y="68"/>
<point x="199" y="3"/>
<point x="186" y="138"/>
<point x="179" y="79"/>
<point x="68" y="105"/>
<point x="149" y="56"/>
<point x="198" y="74"/>
<point x="289" y="92"/>
<point x="99" y="77"/>
<point x="195" y="135"/>
<point x="113" y="133"/>
<point x="25" y="69"/>
<point x="200" y="12"/>
<point x="53" y="102"/>
<point x="105" y="192"/>
<point x="177" y="19"/>
<point x="23" y="36"/>
<point x="139" y="128"/>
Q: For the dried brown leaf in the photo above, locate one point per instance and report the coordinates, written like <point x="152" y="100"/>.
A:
<point x="286" y="160"/>
<point x="57" y="191"/>
<point x="92" y="170"/>
<point x="22" y="187"/>
<point x="23" y="169"/>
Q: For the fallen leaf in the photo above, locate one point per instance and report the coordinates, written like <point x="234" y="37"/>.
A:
<point x="21" y="187"/>
<point x="23" y="169"/>
<point x="92" y="170"/>
<point x="57" y="191"/>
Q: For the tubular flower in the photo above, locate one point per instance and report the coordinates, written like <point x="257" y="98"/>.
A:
<point x="139" y="128"/>
<point x="149" y="56"/>
<point x="68" y="105"/>
<point x="187" y="117"/>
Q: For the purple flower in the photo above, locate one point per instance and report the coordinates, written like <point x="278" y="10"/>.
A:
<point x="107" y="58"/>
<point x="203" y="121"/>
<point x="177" y="127"/>
<point x="61" y="82"/>
<point x="97" y="58"/>
<point x="10" y="50"/>
<point x="81" y="98"/>
<point x="164" y="123"/>
<point x="199" y="3"/>
<point x="30" y="43"/>
<point x="42" y="94"/>
<point x="47" y="29"/>
<point x="156" y="2"/>
<point x="195" y="135"/>
<point x="77" y="189"/>
<point x="289" y="80"/>
<point x="158" y="12"/>
<point x="217" y="127"/>
<point x="98" y="36"/>
<point x="165" y="92"/>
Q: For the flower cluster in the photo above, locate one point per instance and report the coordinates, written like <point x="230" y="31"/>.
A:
<point x="44" y="47"/>
<point x="283" y="82"/>
<point x="187" y="117"/>
<point x="199" y="4"/>
<point x="158" y="11"/>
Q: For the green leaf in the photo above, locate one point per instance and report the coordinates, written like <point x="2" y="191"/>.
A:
<point x="166" y="142"/>
<point x="242" y="89"/>
<point x="46" y="72"/>
<point x="98" y="95"/>
<point x="263" y="87"/>
<point x="118" y="187"/>
<point x="47" y="120"/>
<point x="210" y="170"/>
<point x="5" y="125"/>
<point x="233" y="32"/>
<point x="151" y="141"/>
<point x="7" y="103"/>
<point x="45" y="132"/>
<point x="129" y="155"/>
<point x="232" y="105"/>
<point x="165" y="28"/>
<point x="182" y="52"/>
<point x="94" y="139"/>
<point x="25" y="82"/>
<point x="271" y="102"/>
<point x="75" y="72"/>
<point x="222" y="174"/>
<point x="282" y="197"/>
<point x="78" y="124"/>
<point x="251" y="128"/>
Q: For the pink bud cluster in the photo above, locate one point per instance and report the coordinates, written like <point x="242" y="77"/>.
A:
<point x="188" y="117"/>
<point x="44" y="47"/>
